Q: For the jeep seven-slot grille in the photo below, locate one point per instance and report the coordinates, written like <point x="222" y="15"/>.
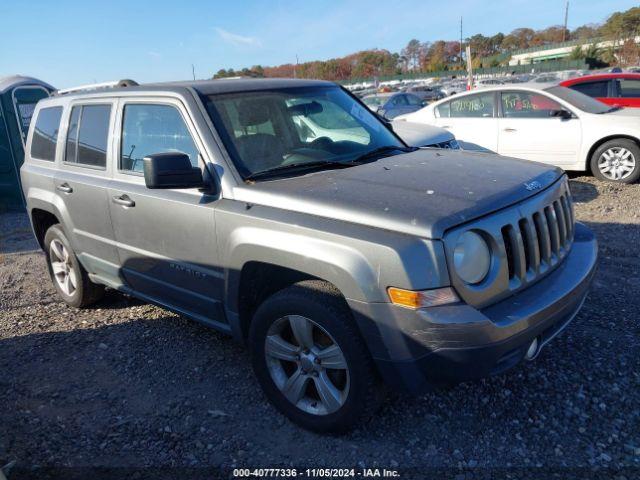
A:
<point x="538" y="241"/>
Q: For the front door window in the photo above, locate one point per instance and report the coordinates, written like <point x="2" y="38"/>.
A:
<point x="528" y="105"/>
<point x="148" y="129"/>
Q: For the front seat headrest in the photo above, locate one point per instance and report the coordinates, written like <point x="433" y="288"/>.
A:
<point x="252" y="112"/>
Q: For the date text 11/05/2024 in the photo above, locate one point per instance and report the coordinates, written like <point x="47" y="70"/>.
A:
<point x="315" y="473"/>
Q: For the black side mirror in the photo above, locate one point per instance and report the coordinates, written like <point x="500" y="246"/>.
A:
<point x="171" y="170"/>
<point x="562" y="113"/>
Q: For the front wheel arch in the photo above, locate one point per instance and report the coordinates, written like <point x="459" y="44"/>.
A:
<point x="323" y="304"/>
<point x="624" y="141"/>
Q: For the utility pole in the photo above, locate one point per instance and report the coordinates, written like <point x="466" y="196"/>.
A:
<point x="566" y="18"/>
<point x="193" y="71"/>
<point x="461" y="64"/>
<point x="295" y="69"/>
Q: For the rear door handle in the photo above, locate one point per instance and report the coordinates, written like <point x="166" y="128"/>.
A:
<point x="64" y="188"/>
<point x="446" y="126"/>
<point x="123" y="200"/>
<point x="509" y="130"/>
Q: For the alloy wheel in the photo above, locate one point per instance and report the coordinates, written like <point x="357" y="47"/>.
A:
<point x="61" y="267"/>
<point x="307" y="365"/>
<point x="616" y="163"/>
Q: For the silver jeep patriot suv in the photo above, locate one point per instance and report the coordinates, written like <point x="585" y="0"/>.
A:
<point x="286" y="214"/>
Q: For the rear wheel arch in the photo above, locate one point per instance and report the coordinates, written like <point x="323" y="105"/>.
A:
<point x="42" y="220"/>
<point x="69" y="277"/>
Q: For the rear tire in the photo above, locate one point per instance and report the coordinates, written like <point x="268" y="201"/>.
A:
<point x="617" y="160"/>
<point x="290" y="337"/>
<point x="69" y="277"/>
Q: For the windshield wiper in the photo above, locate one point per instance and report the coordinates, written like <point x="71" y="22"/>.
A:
<point x="613" y="109"/>
<point x="370" y="155"/>
<point x="275" y="171"/>
<point x="380" y="152"/>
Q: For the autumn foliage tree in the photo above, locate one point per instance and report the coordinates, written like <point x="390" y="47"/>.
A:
<point x="487" y="51"/>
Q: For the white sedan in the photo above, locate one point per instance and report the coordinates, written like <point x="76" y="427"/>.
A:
<point x="553" y="125"/>
<point x="414" y="134"/>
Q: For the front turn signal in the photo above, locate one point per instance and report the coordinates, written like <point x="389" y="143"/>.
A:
<point x="422" y="298"/>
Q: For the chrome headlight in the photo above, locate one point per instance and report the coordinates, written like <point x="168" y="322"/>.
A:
<point x="471" y="258"/>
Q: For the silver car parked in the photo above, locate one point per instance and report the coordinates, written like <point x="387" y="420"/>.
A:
<point x="344" y="260"/>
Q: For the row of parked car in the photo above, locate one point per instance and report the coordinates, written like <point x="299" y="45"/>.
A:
<point x="393" y="98"/>
<point x="585" y="123"/>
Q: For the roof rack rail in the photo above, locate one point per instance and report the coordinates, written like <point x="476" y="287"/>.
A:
<point x="98" y="86"/>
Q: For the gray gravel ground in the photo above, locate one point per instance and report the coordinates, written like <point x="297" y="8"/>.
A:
<point x="126" y="384"/>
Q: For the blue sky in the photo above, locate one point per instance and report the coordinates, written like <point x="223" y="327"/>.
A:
<point x="78" y="41"/>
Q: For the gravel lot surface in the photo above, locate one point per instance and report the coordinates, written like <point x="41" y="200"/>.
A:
<point x="126" y="384"/>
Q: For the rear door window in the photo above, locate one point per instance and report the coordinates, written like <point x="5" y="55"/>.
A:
<point x="88" y="135"/>
<point x="473" y="106"/>
<point x="45" y="134"/>
<point x="593" y="89"/>
<point x="629" y="88"/>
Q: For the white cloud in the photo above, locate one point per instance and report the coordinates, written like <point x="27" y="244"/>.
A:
<point x="155" y="55"/>
<point x="238" y="40"/>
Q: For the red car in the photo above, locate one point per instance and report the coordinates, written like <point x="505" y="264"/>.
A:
<point x="618" y="89"/>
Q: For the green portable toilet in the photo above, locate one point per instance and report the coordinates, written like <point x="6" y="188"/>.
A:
<point x="18" y="98"/>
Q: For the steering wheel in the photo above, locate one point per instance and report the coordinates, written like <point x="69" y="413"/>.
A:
<point x="322" y="143"/>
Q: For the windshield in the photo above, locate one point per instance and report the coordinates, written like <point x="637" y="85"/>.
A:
<point x="272" y="129"/>
<point x="579" y="100"/>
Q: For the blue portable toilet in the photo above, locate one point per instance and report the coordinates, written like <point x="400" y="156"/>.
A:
<point x="18" y="98"/>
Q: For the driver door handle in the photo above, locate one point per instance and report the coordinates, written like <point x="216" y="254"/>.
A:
<point x="123" y="200"/>
<point x="508" y="129"/>
<point x="64" y="188"/>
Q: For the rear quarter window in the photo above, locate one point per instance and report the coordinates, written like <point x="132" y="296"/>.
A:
<point x="24" y="101"/>
<point x="444" y="110"/>
<point x="592" y="89"/>
<point x="45" y="134"/>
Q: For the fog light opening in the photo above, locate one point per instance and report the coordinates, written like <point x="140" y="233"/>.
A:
<point x="533" y="349"/>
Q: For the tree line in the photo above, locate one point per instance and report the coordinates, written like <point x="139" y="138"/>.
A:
<point x="487" y="51"/>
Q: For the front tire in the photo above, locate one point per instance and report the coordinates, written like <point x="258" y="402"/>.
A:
<point x="69" y="277"/>
<point x="617" y="160"/>
<point x="310" y="359"/>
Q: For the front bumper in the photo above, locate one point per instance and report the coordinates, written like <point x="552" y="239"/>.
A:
<point x="418" y="349"/>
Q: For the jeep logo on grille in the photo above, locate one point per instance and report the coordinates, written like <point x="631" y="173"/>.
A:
<point x="531" y="186"/>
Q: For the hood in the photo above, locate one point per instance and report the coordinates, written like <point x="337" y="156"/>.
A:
<point x="421" y="193"/>
<point x="618" y="119"/>
<point x="420" y="134"/>
<point x="624" y="112"/>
